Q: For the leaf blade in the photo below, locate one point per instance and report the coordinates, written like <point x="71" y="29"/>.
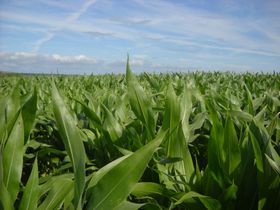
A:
<point x="13" y="158"/>
<point x="108" y="192"/>
<point x="72" y="142"/>
<point x="31" y="192"/>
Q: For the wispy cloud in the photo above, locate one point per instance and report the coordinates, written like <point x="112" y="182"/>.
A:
<point x="207" y="26"/>
<point x="100" y="34"/>
<point x="57" y="4"/>
<point x="209" y="35"/>
<point x="162" y="24"/>
<point x="69" y="20"/>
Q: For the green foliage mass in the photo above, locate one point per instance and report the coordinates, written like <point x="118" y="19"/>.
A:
<point x="149" y="141"/>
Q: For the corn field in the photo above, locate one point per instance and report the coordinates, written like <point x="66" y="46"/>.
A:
<point x="149" y="141"/>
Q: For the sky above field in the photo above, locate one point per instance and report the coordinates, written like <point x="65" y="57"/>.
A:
<point x="94" y="36"/>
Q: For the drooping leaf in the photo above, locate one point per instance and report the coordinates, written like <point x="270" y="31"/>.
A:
<point x="114" y="186"/>
<point x="143" y="189"/>
<point x="208" y="202"/>
<point x="104" y="170"/>
<point x="274" y="165"/>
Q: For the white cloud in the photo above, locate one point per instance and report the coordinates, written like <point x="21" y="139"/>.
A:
<point x="18" y="55"/>
<point x="72" y="59"/>
<point x="46" y="57"/>
<point x="137" y="62"/>
<point x="43" y="63"/>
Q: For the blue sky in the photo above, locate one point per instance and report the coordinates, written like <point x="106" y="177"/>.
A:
<point x="94" y="36"/>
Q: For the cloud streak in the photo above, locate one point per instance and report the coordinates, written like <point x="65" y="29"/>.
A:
<point x="69" y="20"/>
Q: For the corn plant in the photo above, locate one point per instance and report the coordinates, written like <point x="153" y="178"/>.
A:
<point x="195" y="140"/>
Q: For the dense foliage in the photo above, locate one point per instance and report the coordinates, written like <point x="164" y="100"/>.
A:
<point x="152" y="141"/>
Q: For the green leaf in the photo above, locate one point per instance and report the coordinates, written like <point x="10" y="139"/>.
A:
<point x="175" y="120"/>
<point x="104" y="170"/>
<point x="241" y="115"/>
<point x="12" y="108"/>
<point x="249" y="100"/>
<point x="186" y="167"/>
<point x="52" y="181"/>
<point x="259" y="118"/>
<point x="28" y="114"/>
<point x="216" y="154"/>
<point x="91" y="114"/>
<point x="57" y="194"/>
<point x="67" y="204"/>
<point x="9" y="111"/>
<point x="171" y="122"/>
<point x="198" y="121"/>
<point x="140" y="102"/>
<point x="257" y="151"/>
<point x="208" y="202"/>
<point x="154" y="84"/>
<point x="72" y="142"/>
<point x="230" y="192"/>
<point x="114" y="186"/>
<point x="123" y="151"/>
<point x="185" y="111"/>
<point x="112" y="125"/>
<point x="5" y="199"/>
<point x="231" y="148"/>
<point x="168" y="160"/>
<point x="31" y="192"/>
<point x="13" y="158"/>
<point x="143" y="189"/>
<point x="274" y="165"/>
<point x="126" y="205"/>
